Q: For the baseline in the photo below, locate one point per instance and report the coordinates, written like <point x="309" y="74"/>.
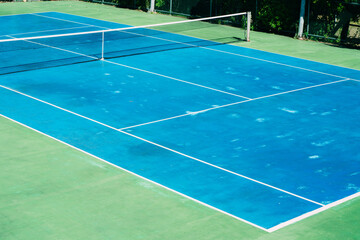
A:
<point x="312" y="213"/>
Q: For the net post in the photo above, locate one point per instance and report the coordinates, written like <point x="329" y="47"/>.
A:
<point x="248" y="26"/>
<point x="171" y="6"/>
<point x="102" y="45"/>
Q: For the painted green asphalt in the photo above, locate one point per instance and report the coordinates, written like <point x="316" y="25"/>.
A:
<point x="51" y="191"/>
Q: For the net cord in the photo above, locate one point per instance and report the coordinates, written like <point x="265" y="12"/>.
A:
<point x="122" y="29"/>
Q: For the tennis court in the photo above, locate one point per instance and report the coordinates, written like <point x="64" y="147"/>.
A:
<point x="264" y="138"/>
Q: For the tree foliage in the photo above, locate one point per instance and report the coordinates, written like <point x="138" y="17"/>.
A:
<point x="133" y="4"/>
<point x="277" y="15"/>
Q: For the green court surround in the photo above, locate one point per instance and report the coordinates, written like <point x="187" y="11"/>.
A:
<point x="50" y="191"/>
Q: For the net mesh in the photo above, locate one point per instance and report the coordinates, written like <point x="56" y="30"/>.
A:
<point x="200" y="7"/>
<point x="29" y="53"/>
<point x="336" y="21"/>
<point x="33" y="53"/>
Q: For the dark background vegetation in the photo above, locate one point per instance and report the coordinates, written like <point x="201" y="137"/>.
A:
<point x="336" y="21"/>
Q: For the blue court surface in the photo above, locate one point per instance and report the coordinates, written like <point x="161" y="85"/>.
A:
<point x="262" y="137"/>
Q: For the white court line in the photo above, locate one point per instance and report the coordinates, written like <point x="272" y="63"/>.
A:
<point x="282" y="64"/>
<point x="213" y="207"/>
<point x="138" y="69"/>
<point x="52" y="30"/>
<point x="163" y="147"/>
<point x="215" y="166"/>
<point x="16" y="14"/>
<point x="316" y="211"/>
<point x="199" y="111"/>
<point x="216" y="50"/>
<point x="270" y="230"/>
<point x="170" y="118"/>
<point x="240" y="55"/>
<point x="252" y="224"/>
<point x="236" y="46"/>
<point x="162" y="24"/>
<point x="323" y="208"/>
<point x="235" y="54"/>
<point x="235" y="103"/>
<point x="245" y="56"/>
<point x="65" y="50"/>
<point x="303" y="59"/>
<point x="44" y="16"/>
<point x="176" y="79"/>
<point x="224" y="169"/>
<point x="157" y="74"/>
<point x="225" y="52"/>
<point x="139" y="176"/>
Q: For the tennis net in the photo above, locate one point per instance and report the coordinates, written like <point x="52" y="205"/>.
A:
<point x="37" y="52"/>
